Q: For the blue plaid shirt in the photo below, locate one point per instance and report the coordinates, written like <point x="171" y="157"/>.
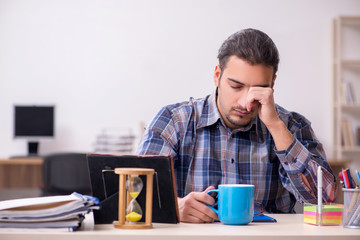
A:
<point x="205" y="152"/>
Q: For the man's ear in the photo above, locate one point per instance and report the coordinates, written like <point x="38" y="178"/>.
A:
<point x="273" y="81"/>
<point x="217" y="75"/>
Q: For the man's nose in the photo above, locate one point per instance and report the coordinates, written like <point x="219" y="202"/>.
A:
<point x="242" y="98"/>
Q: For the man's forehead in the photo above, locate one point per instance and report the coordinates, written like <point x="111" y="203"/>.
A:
<point x="233" y="61"/>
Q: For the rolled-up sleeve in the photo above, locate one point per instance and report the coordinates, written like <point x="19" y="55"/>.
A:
<point x="298" y="168"/>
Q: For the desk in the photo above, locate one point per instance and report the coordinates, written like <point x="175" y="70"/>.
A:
<point x="289" y="226"/>
<point x="21" y="173"/>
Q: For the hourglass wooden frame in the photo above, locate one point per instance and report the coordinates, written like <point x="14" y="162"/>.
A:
<point x="124" y="197"/>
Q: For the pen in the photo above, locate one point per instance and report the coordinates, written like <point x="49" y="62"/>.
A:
<point x="351" y="180"/>
<point x="346" y="179"/>
<point x="319" y="193"/>
<point x="341" y="178"/>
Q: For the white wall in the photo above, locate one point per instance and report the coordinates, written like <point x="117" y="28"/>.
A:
<point x="115" y="63"/>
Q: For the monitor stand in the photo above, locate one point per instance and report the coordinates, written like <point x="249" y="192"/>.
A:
<point x="32" y="151"/>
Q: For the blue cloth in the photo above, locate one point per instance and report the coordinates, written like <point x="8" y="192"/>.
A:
<point x="205" y="152"/>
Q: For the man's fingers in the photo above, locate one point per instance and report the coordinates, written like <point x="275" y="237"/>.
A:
<point x="195" y="207"/>
<point x="251" y="103"/>
<point x="205" y="210"/>
<point x="204" y="197"/>
<point x="195" y="219"/>
<point x="253" y="98"/>
<point x="259" y="95"/>
<point x="209" y="188"/>
<point x="194" y="215"/>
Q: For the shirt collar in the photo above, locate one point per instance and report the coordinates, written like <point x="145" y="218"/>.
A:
<point x="210" y="114"/>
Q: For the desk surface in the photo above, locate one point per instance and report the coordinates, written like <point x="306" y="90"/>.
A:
<point x="289" y="226"/>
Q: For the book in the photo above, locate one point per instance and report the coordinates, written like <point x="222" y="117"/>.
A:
<point x="343" y="87"/>
<point x="347" y="92"/>
<point x="347" y="135"/>
<point x="66" y="211"/>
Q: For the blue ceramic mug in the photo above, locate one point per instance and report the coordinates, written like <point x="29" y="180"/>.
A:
<point x="235" y="203"/>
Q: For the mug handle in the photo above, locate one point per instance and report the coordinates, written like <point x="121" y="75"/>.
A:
<point x="216" y="191"/>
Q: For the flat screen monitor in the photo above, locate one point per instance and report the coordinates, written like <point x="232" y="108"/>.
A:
<point x="33" y="123"/>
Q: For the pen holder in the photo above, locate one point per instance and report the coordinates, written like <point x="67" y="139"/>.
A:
<point x="351" y="215"/>
<point x="331" y="214"/>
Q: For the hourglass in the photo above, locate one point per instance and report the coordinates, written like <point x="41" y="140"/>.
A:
<point x="130" y="186"/>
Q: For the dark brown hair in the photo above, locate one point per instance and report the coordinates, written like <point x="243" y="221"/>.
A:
<point x="251" y="45"/>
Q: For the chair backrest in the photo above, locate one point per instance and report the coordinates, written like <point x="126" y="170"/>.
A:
<point x="64" y="173"/>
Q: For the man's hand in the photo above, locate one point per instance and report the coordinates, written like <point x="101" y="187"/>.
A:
<point x="263" y="97"/>
<point x="193" y="207"/>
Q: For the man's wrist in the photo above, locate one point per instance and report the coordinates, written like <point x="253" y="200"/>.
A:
<point x="281" y="134"/>
<point x="275" y="125"/>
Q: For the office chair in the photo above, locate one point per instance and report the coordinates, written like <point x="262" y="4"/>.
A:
<point x="65" y="173"/>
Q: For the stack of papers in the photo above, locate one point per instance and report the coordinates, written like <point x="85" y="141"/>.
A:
<point x="66" y="212"/>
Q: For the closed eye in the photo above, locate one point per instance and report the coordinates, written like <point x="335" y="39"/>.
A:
<point x="236" y="87"/>
<point x="235" y="84"/>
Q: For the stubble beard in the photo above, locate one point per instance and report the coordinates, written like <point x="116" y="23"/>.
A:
<point x="239" y="121"/>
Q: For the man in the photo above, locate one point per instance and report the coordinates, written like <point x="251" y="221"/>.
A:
<point x="239" y="135"/>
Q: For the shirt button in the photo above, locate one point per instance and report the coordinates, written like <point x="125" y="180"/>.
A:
<point x="232" y="160"/>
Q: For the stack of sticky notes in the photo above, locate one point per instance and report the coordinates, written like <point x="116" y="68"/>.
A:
<point x="331" y="214"/>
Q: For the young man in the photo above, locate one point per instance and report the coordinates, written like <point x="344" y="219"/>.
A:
<point x="239" y="135"/>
